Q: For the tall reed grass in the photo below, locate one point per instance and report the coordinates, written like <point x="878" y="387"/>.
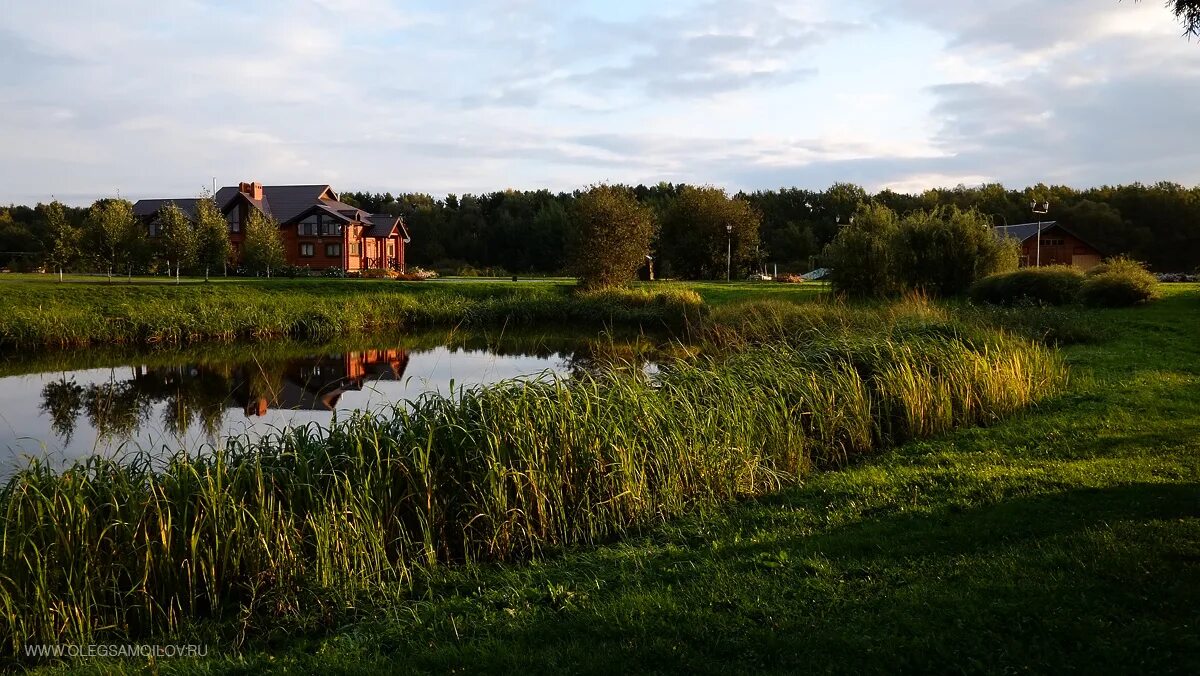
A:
<point x="495" y="473"/>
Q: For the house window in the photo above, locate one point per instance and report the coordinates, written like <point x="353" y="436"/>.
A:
<point x="333" y="250"/>
<point x="1052" y="242"/>
<point x="354" y="249"/>
<point x="330" y="226"/>
<point x="308" y="226"/>
<point x="234" y="219"/>
<point x="155" y="228"/>
<point x="307" y="250"/>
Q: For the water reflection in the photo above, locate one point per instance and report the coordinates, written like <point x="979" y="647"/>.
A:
<point x="93" y="402"/>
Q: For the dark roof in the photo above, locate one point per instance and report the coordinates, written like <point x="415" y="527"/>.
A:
<point x="152" y="207"/>
<point x="1023" y="231"/>
<point x="381" y="225"/>
<point x="289" y="201"/>
<point x="225" y="195"/>
<point x="285" y="203"/>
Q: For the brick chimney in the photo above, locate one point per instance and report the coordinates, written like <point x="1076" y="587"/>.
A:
<point x="252" y="190"/>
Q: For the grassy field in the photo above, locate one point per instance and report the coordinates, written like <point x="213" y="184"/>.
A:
<point x="39" y="311"/>
<point x="1066" y="538"/>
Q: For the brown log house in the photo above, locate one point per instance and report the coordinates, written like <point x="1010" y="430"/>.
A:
<point x="1058" y="245"/>
<point x="318" y="230"/>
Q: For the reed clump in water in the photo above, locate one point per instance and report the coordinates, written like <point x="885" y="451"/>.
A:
<point x="492" y="473"/>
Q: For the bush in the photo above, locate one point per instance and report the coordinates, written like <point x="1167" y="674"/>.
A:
<point x="1052" y="285"/>
<point x="1119" y="282"/>
<point x="944" y="251"/>
<point x="940" y="252"/>
<point x="615" y="235"/>
<point x="416" y="274"/>
<point x="862" y="255"/>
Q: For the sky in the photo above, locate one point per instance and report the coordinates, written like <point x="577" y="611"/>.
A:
<point x="159" y="99"/>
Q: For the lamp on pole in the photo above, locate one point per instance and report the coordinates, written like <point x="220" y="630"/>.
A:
<point x="728" y="252"/>
<point x="1040" y="209"/>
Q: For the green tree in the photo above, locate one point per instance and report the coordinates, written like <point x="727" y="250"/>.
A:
<point x="62" y="238"/>
<point x="262" y="250"/>
<point x="111" y="226"/>
<point x="946" y="250"/>
<point x="213" y="248"/>
<point x="705" y="231"/>
<point x="614" y="236"/>
<point x="178" y="240"/>
<point x="862" y="256"/>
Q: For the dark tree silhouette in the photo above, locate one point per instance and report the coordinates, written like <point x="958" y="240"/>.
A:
<point x="1188" y="12"/>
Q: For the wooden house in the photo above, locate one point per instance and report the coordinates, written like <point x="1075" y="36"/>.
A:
<point x="1051" y="243"/>
<point x="318" y="230"/>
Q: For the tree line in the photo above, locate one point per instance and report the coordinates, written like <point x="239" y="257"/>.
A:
<point x="108" y="238"/>
<point x="534" y="232"/>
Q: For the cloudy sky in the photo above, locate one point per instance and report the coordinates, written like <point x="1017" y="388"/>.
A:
<point x="158" y="98"/>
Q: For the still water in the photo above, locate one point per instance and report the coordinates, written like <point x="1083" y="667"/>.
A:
<point x="73" y="405"/>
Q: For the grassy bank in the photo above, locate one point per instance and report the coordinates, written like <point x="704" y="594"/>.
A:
<point x="41" y="312"/>
<point x="266" y="532"/>
<point x="1062" y="540"/>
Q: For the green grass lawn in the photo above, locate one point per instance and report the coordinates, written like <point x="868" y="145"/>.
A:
<point x="1066" y="539"/>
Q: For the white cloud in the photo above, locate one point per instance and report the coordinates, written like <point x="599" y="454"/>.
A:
<point x="157" y="98"/>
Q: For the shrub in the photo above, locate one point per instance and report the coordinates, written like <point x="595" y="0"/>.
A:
<point x="944" y="251"/>
<point x="862" y="255"/>
<point x="615" y="234"/>
<point x="416" y="274"/>
<point x="940" y="252"/>
<point x="1119" y="282"/>
<point x="1051" y="285"/>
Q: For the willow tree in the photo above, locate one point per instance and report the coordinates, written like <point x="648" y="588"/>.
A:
<point x="262" y="249"/>
<point x="614" y="237"/>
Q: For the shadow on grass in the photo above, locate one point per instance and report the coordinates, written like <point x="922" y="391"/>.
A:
<point x="1093" y="580"/>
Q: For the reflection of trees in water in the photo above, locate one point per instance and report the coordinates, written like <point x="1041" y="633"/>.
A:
<point x="115" y="409"/>
<point x="205" y="391"/>
<point x="62" y="400"/>
<point x="599" y="356"/>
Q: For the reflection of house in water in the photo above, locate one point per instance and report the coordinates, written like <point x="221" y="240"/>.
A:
<point x="317" y="383"/>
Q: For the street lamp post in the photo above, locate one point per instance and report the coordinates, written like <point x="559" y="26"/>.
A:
<point x="728" y="253"/>
<point x="1040" y="209"/>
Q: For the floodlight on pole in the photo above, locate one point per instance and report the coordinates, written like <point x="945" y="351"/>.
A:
<point x="1040" y="209"/>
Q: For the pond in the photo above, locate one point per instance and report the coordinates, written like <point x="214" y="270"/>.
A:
<point x="67" y="406"/>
